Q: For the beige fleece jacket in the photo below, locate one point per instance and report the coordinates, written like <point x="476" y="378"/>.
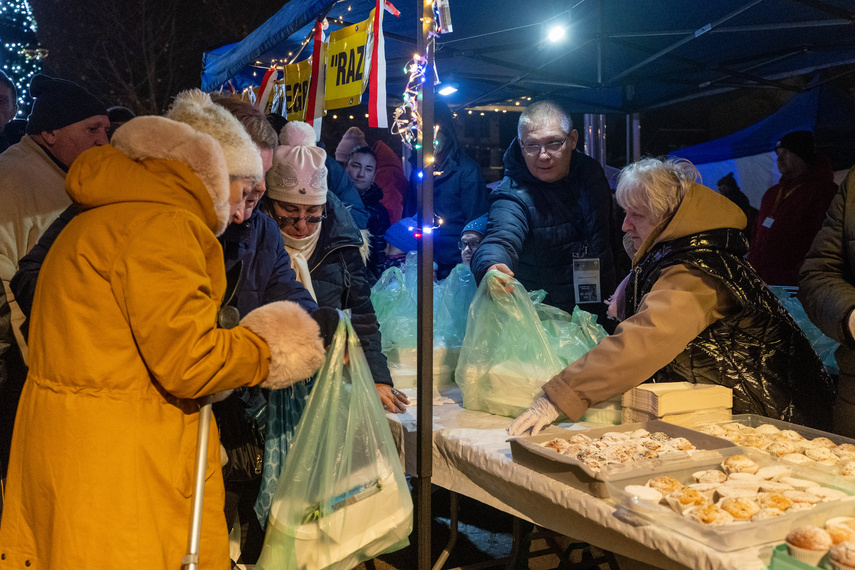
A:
<point x="682" y="303"/>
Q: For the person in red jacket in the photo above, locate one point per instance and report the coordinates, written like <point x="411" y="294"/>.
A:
<point x="792" y="211"/>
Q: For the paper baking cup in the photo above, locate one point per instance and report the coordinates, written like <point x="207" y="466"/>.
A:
<point x="840" y="566"/>
<point x="811" y="557"/>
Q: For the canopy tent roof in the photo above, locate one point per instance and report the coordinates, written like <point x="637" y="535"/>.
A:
<point x="618" y="55"/>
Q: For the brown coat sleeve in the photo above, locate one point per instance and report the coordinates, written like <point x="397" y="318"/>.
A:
<point x="682" y="303"/>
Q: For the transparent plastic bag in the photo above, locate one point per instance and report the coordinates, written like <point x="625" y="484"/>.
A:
<point x="506" y="356"/>
<point x="570" y="336"/>
<point x="342" y="497"/>
<point x="823" y="345"/>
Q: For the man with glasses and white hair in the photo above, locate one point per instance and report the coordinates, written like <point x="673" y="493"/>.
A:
<point x="550" y="220"/>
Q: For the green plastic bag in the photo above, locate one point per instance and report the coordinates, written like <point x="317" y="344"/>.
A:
<point x="506" y="356"/>
<point x="395" y="306"/>
<point x="342" y="497"/>
<point x="570" y="336"/>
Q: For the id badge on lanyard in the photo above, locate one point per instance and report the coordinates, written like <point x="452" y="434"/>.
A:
<point x="586" y="280"/>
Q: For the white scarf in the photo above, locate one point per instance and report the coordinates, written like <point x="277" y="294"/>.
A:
<point x="300" y="250"/>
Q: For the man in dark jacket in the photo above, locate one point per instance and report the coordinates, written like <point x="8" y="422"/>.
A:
<point x="792" y="211"/>
<point x="550" y="218"/>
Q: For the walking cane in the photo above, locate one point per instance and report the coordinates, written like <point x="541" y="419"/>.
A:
<point x="228" y="317"/>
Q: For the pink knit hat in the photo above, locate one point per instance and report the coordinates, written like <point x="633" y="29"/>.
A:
<point x="352" y="138"/>
<point x="298" y="175"/>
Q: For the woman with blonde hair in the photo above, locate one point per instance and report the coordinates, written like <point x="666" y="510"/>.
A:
<point x="692" y="309"/>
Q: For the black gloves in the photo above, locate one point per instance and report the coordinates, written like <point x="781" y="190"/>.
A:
<point x="365" y="325"/>
<point x="327" y="319"/>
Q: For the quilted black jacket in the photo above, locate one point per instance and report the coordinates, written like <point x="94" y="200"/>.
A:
<point x="759" y="351"/>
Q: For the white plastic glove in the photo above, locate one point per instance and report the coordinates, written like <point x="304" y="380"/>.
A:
<point x="542" y="413"/>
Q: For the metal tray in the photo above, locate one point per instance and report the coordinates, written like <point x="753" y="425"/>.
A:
<point x="528" y="451"/>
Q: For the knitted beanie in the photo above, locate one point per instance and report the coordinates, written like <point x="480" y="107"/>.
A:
<point x="195" y="108"/>
<point x="402" y="234"/>
<point x="298" y="175"/>
<point x="799" y="143"/>
<point x="478" y="225"/>
<point x="59" y="103"/>
<point x="352" y="138"/>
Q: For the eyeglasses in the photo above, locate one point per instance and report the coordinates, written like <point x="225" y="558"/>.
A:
<point x="472" y="245"/>
<point x="535" y="149"/>
<point x="285" y="221"/>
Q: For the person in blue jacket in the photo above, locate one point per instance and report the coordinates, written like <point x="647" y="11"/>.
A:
<point x="459" y="191"/>
<point x="550" y="221"/>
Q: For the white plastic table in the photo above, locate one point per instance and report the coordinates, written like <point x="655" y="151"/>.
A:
<point x="472" y="457"/>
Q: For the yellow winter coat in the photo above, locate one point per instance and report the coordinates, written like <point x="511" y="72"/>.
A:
<point x="122" y="341"/>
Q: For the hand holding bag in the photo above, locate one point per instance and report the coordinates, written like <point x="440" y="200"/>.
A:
<point x="342" y="497"/>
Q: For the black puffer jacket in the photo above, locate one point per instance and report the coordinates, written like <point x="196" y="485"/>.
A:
<point x="339" y="277"/>
<point x="536" y="228"/>
<point x="759" y="351"/>
<point x="378" y="223"/>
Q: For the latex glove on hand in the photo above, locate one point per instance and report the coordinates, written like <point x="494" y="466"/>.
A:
<point x="542" y="413"/>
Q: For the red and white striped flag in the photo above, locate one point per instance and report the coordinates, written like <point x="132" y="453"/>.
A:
<point x="314" y="110"/>
<point x="377" y="115"/>
<point x="266" y="88"/>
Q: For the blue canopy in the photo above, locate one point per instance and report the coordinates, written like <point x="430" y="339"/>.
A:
<point x="618" y="55"/>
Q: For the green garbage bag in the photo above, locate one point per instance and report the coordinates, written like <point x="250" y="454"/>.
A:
<point x="342" y="497"/>
<point x="506" y="356"/>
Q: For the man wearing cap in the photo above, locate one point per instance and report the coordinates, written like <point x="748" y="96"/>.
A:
<point x="792" y="211"/>
<point x="471" y="238"/>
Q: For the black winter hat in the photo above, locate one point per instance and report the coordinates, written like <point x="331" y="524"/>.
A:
<point x="59" y="103"/>
<point x="799" y="143"/>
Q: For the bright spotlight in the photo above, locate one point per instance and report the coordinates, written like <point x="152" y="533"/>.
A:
<point x="447" y="90"/>
<point x="556" y="34"/>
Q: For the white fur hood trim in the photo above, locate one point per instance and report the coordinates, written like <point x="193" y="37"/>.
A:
<point x="294" y="338"/>
<point x="159" y="137"/>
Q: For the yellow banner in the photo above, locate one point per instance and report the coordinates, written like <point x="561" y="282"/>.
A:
<point x="348" y="52"/>
<point x="297" y="79"/>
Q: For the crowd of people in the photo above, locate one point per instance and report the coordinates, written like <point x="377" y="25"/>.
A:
<point x="127" y="242"/>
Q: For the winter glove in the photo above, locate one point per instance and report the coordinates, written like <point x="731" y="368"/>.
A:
<point x="542" y="413"/>
<point x="327" y="319"/>
<point x="364" y="325"/>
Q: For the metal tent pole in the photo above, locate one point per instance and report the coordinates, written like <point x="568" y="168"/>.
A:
<point x="424" y="295"/>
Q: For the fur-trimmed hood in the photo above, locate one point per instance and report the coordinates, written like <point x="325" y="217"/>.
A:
<point x="155" y="159"/>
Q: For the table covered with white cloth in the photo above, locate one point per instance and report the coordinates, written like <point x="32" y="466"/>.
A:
<point x="472" y="457"/>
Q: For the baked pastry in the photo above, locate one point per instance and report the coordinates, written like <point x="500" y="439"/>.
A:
<point x="843" y="554"/>
<point x="745" y="478"/>
<point x="774" y="500"/>
<point x="808" y="544"/>
<point x="826" y="494"/>
<point x="557" y="444"/>
<point x="665" y="484"/>
<point x="791" y="435"/>
<point x="781" y="447"/>
<point x="706" y="489"/>
<point x="711" y="515"/>
<point x="774" y="487"/>
<point x="710" y="476"/>
<point x="725" y="491"/>
<point x="796" y="458"/>
<point x="713" y="430"/>
<point x="755" y="440"/>
<point x="774" y="472"/>
<point x="823" y="442"/>
<point x="801" y="498"/>
<point x="681" y="444"/>
<point x="686" y="498"/>
<point x="740" y="508"/>
<point x="767" y="429"/>
<point x="840" y="533"/>
<point x="799" y="484"/>
<point x="767" y="513"/>
<point x="644" y="493"/>
<point x="821" y="454"/>
<point x="739" y="464"/>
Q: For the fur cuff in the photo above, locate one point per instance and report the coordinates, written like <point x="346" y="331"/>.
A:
<point x="296" y="348"/>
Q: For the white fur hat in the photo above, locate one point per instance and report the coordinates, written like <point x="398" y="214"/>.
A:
<point x="298" y="175"/>
<point x="195" y="108"/>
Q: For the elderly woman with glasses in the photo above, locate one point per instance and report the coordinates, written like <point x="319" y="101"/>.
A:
<point x="327" y="250"/>
<point x="692" y="309"/>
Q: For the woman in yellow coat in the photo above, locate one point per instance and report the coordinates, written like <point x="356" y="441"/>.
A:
<point x="123" y="344"/>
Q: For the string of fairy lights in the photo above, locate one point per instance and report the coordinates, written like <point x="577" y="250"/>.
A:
<point x="21" y="54"/>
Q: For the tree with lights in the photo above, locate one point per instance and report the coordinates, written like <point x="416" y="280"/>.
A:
<point x="21" y="54"/>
